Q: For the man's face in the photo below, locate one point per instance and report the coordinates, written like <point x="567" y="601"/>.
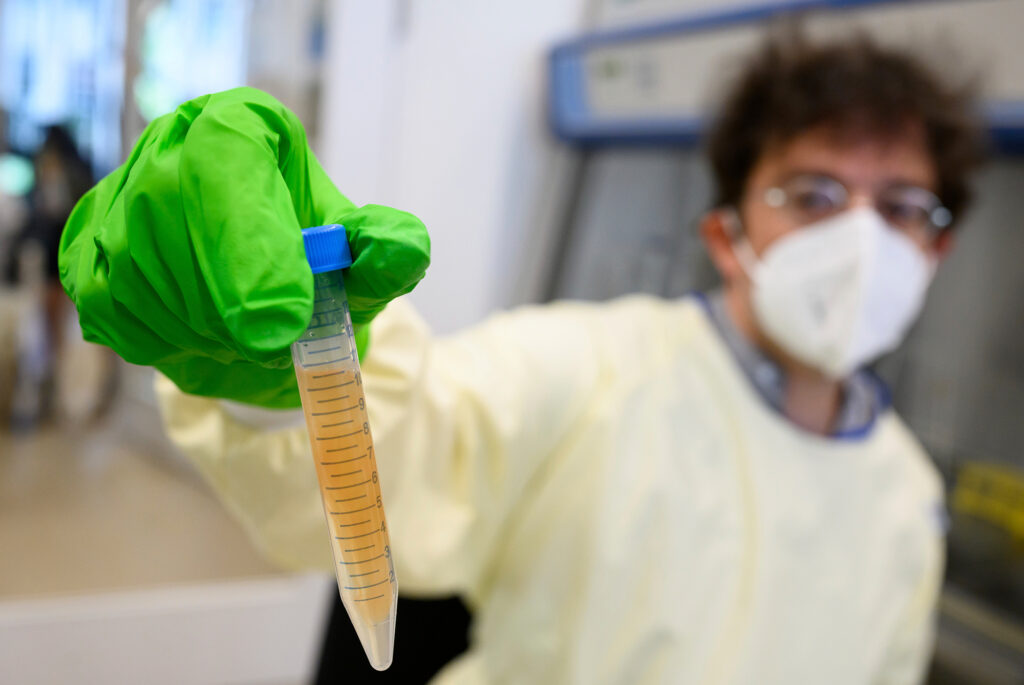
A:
<point x="865" y="172"/>
<point x="867" y="169"/>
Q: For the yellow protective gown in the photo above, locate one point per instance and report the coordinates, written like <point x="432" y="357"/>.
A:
<point x="615" y="502"/>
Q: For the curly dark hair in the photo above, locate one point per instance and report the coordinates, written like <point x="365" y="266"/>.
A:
<point x="854" y="87"/>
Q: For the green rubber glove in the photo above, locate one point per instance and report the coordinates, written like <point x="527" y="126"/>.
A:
<point x="189" y="256"/>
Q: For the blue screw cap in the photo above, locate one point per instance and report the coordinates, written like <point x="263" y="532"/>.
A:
<point x="326" y="248"/>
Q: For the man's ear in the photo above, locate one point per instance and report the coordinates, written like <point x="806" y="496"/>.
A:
<point x="719" y="228"/>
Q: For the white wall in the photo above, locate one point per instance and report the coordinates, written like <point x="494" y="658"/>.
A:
<point x="438" y="108"/>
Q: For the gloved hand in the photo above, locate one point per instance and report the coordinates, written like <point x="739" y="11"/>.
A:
<point x="189" y="257"/>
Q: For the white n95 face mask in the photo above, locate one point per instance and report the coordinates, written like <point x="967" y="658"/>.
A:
<point x="838" y="293"/>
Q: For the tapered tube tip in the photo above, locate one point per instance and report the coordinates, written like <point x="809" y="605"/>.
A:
<point x="379" y="643"/>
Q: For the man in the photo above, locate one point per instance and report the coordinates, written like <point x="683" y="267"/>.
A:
<point x="708" y="490"/>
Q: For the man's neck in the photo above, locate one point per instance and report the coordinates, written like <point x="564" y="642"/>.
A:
<point x="811" y="400"/>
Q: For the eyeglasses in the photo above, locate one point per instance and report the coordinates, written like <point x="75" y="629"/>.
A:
<point x="813" y="197"/>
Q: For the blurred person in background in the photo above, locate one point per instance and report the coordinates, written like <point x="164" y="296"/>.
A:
<point x="61" y="177"/>
<point x="705" y="490"/>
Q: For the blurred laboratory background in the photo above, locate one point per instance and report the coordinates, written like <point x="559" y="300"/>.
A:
<point x="552" y="147"/>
